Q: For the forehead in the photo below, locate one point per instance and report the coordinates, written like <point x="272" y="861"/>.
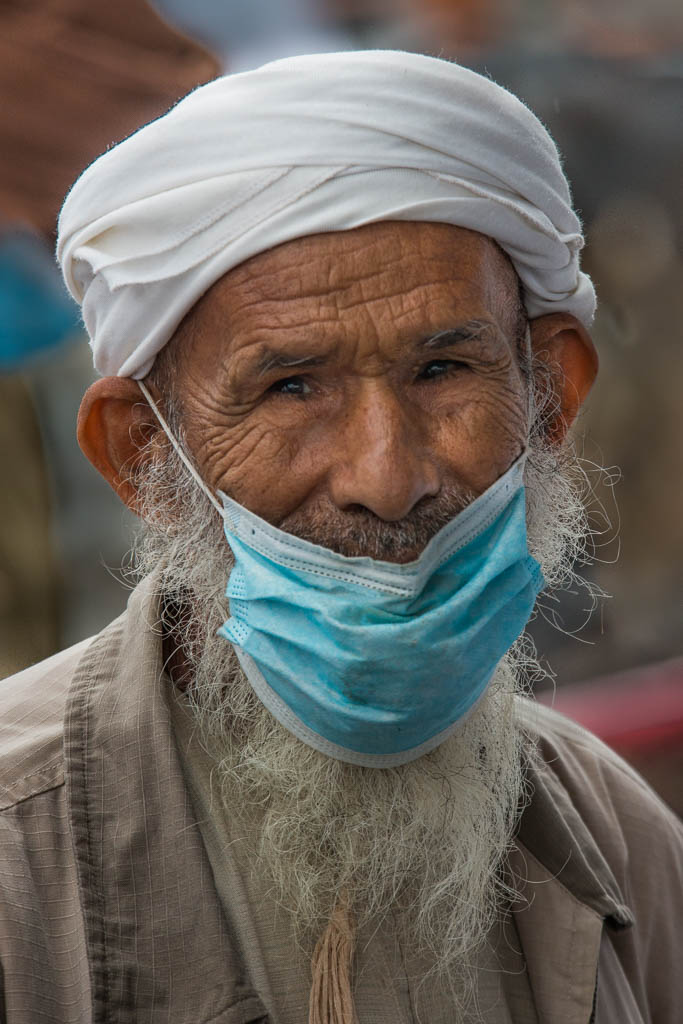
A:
<point x="395" y="271"/>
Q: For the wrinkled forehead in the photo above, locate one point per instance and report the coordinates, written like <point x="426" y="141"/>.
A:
<point x="344" y="274"/>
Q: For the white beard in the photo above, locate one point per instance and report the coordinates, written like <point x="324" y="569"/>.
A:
<point x="426" y="840"/>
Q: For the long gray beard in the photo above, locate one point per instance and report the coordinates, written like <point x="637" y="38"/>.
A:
<point x="425" y="841"/>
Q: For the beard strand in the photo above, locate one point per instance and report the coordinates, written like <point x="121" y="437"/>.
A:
<point x="425" y="842"/>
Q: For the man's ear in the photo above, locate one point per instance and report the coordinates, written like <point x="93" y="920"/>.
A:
<point x="114" y="423"/>
<point x="562" y="342"/>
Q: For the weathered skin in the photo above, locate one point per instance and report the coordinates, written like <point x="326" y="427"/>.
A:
<point x="380" y="420"/>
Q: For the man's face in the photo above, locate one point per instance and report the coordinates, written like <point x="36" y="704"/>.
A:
<point x="362" y="371"/>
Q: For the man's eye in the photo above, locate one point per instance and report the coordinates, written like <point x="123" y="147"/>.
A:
<point x="439" y="368"/>
<point x="296" y="386"/>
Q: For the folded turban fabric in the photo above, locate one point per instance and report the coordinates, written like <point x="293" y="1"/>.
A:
<point x="304" y="145"/>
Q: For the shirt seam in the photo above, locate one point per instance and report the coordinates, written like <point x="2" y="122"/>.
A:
<point x="45" y="781"/>
<point x="607" y="754"/>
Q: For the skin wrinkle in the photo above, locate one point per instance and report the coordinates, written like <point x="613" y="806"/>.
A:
<point x="480" y="419"/>
<point x="369" y="350"/>
<point x="270" y="361"/>
<point x="333" y="280"/>
<point x="250" y="438"/>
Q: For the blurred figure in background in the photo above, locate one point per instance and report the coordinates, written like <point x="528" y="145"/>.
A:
<point x="246" y="33"/>
<point x="74" y="78"/>
<point x="36" y="315"/>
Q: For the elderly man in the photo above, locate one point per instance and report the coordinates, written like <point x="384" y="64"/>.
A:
<point x="338" y="309"/>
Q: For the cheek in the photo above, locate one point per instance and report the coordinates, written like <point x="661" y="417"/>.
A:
<point x="482" y="431"/>
<point x="267" y="467"/>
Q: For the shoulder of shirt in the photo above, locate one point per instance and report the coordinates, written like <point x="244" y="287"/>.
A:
<point x="619" y="810"/>
<point x="566" y="747"/>
<point x="32" y="708"/>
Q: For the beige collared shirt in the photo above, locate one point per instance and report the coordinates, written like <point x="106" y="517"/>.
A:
<point x="112" y="908"/>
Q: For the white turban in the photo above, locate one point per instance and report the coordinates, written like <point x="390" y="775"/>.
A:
<point x="300" y="146"/>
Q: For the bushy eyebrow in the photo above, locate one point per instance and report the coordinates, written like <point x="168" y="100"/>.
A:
<point x="456" y="335"/>
<point x="270" y="359"/>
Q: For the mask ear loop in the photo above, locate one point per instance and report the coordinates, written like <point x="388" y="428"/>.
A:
<point x="181" y="454"/>
<point x="530" y="401"/>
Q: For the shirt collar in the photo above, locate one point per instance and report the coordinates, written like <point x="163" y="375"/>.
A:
<point x="554" y="831"/>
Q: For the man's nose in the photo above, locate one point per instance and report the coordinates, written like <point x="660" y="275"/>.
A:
<point x="383" y="462"/>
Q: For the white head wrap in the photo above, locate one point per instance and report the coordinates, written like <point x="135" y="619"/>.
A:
<point x="300" y="146"/>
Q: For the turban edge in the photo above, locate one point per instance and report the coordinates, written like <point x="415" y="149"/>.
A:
<point x="301" y="146"/>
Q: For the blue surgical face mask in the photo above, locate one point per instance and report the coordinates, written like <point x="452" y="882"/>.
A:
<point x="372" y="662"/>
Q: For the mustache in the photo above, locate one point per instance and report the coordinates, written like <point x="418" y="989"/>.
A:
<point x="358" y="532"/>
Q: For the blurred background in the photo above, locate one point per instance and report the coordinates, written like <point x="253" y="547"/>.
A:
<point x="606" y="76"/>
